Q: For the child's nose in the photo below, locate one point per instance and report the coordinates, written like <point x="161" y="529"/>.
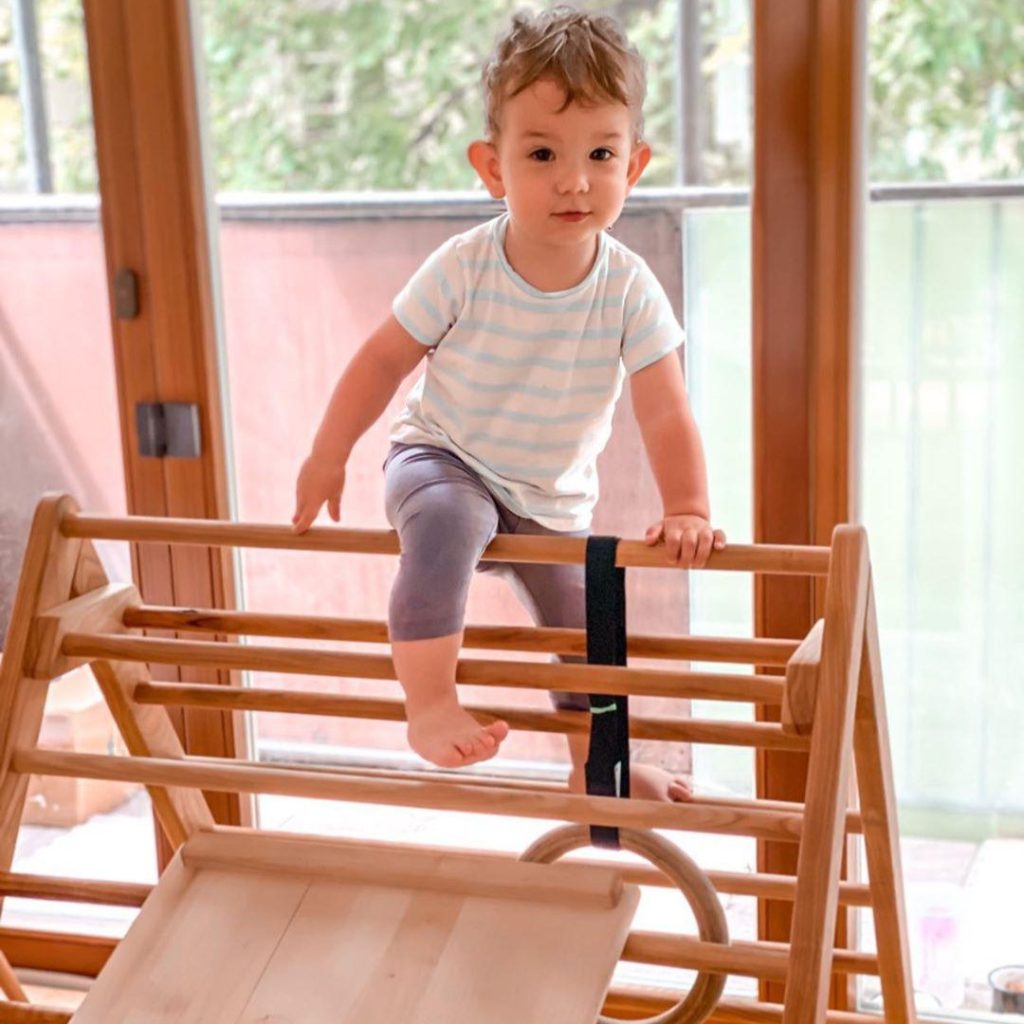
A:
<point x="573" y="179"/>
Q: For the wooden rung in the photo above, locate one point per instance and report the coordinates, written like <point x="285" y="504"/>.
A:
<point x="763" y="558"/>
<point x="802" y="673"/>
<point x="443" y="870"/>
<point x="41" y="949"/>
<point x="530" y="675"/>
<point x="32" y="1013"/>
<point x="454" y="777"/>
<point x="542" y="639"/>
<point x="682" y="730"/>
<point x="754" y="959"/>
<point x="75" y="890"/>
<point x="635" y="1001"/>
<point x="248" y="778"/>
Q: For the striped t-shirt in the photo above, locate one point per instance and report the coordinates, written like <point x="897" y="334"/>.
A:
<point x="521" y="384"/>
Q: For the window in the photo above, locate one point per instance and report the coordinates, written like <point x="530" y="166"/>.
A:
<point x="940" y="379"/>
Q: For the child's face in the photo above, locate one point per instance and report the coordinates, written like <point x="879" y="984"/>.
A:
<point x="563" y="175"/>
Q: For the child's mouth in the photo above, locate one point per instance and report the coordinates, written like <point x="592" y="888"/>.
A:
<point x="572" y="215"/>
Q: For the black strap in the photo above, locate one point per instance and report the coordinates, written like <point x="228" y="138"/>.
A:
<point x="607" y="769"/>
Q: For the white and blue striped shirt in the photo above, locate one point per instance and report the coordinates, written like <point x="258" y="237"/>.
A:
<point x="521" y="384"/>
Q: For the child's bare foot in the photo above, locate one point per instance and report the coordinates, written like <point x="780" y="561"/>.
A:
<point x="646" y="782"/>
<point x="649" y="782"/>
<point x="450" y="737"/>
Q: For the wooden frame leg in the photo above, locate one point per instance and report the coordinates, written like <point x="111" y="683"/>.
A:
<point x="816" y="905"/>
<point x="881" y="838"/>
<point x="148" y="732"/>
<point x="47" y="578"/>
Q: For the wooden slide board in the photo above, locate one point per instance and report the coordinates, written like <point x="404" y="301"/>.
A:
<point x="301" y="930"/>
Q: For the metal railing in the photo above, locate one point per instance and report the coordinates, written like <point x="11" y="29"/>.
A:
<point x="262" y="206"/>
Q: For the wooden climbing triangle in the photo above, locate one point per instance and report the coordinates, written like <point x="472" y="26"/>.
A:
<point x="248" y="926"/>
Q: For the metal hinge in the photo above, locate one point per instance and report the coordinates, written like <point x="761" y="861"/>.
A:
<point x="168" y="429"/>
<point x="126" y="294"/>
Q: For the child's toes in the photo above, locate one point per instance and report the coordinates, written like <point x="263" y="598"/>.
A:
<point x="497" y="730"/>
<point x="679" y="791"/>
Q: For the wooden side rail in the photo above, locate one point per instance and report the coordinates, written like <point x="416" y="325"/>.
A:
<point x="766" y="558"/>
<point x="541" y="639"/>
<point x="478" y="672"/>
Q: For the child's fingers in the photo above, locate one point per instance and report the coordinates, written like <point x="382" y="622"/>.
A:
<point x="334" y="507"/>
<point x="719" y="541"/>
<point x="654" y="533"/>
<point x="690" y="548"/>
<point x="704" y="541"/>
<point x="673" y="544"/>
<point x="304" y="516"/>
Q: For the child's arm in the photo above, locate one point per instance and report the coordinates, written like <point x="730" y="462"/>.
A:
<point x="369" y="382"/>
<point x="676" y="456"/>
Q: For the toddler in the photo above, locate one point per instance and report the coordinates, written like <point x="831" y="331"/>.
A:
<point x="529" y="324"/>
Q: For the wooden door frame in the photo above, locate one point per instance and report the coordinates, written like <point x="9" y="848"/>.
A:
<point x="808" y="202"/>
<point x="153" y="215"/>
<point x="153" y="204"/>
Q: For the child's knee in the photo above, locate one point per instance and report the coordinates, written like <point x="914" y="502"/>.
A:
<point x="446" y="535"/>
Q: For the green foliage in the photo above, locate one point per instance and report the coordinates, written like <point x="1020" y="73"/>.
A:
<point x="947" y="89"/>
<point x="385" y="94"/>
<point x="372" y="94"/>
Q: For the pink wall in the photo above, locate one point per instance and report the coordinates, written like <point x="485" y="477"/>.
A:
<point x="299" y="297"/>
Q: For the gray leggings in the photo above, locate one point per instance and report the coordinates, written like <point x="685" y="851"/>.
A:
<point x="445" y="517"/>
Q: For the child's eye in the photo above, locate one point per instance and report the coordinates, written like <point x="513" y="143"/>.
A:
<point x="543" y="154"/>
<point x="602" y="153"/>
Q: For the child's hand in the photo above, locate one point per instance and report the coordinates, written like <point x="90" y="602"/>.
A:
<point x="318" y="482"/>
<point x="688" y="539"/>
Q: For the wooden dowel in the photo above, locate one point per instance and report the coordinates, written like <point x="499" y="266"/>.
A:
<point x="636" y="1001"/>
<point x="75" y="890"/>
<point x="455" y="777"/>
<point x="247" y="778"/>
<point x="775" y="887"/>
<point x="683" y="730"/>
<point x="765" y="558"/>
<point x="32" y="1013"/>
<point x="754" y="959"/>
<point x="521" y="675"/>
<point x="542" y="639"/>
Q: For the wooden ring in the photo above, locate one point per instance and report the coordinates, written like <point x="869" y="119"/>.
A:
<point x="693" y="883"/>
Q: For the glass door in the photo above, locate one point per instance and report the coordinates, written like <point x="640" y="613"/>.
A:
<point x="336" y="135"/>
<point x="60" y="430"/>
<point x="941" y="377"/>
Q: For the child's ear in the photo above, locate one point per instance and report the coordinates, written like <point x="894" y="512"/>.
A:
<point x="638" y="160"/>
<point x="484" y="158"/>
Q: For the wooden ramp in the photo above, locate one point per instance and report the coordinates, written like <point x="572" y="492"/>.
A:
<point x="278" y="930"/>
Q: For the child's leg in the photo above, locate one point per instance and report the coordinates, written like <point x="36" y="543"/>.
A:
<point x="444" y="518"/>
<point x="555" y="595"/>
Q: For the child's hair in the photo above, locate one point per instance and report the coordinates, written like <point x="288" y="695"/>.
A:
<point x="588" y="55"/>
